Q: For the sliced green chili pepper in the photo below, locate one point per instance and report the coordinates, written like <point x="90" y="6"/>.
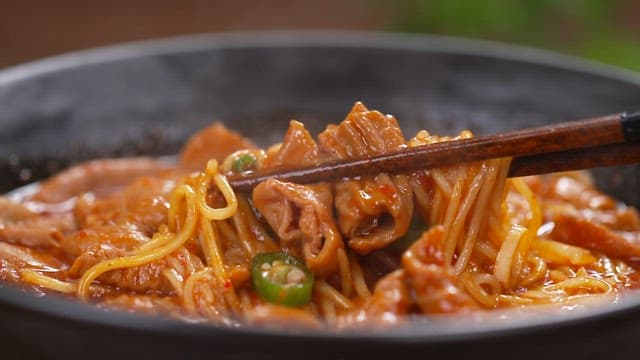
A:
<point x="243" y="163"/>
<point x="281" y="279"/>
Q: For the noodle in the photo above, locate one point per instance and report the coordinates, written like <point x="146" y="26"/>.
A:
<point x="537" y="271"/>
<point x="454" y="238"/>
<point x="225" y="188"/>
<point x="189" y="289"/>
<point x="345" y="273"/>
<point x="452" y="209"/>
<point x="175" y="279"/>
<point x="442" y="183"/>
<point x="581" y="282"/>
<point x="359" y="284"/>
<point x="245" y="237"/>
<point x="504" y="261"/>
<point x="327" y="306"/>
<point x="469" y="240"/>
<point x="477" y="283"/>
<point x="212" y="252"/>
<point x="331" y="293"/>
<point x="532" y="226"/>
<point x="35" y="277"/>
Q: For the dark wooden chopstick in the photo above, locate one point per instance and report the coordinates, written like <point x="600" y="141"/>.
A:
<point x="601" y="141"/>
<point x="579" y="159"/>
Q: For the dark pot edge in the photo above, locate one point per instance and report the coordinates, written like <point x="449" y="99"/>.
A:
<point x="315" y="38"/>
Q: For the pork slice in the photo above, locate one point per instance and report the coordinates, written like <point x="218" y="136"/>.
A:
<point x="435" y="287"/>
<point x="297" y="149"/>
<point x="574" y="229"/>
<point x="375" y="212"/>
<point x="15" y="258"/>
<point x="213" y="142"/>
<point x="372" y="212"/>
<point x="388" y="304"/>
<point x="361" y="133"/>
<point x="301" y="215"/>
<point x="22" y="226"/>
<point x="102" y="177"/>
<point x="144" y="203"/>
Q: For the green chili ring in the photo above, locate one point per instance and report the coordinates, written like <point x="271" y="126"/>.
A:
<point x="244" y="162"/>
<point x="281" y="279"/>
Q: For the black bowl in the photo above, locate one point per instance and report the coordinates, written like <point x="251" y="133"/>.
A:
<point x="146" y="98"/>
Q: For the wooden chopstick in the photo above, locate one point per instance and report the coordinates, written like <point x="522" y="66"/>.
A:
<point x="579" y="159"/>
<point x="601" y="141"/>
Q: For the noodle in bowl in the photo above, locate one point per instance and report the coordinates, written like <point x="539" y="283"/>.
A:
<point x="150" y="237"/>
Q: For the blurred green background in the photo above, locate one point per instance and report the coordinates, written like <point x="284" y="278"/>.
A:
<point x="602" y="30"/>
<point x="606" y="31"/>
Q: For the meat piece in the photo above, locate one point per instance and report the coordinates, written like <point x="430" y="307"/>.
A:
<point x="572" y="188"/>
<point x="115" y="226"/>
<point x="19" y="225"/>
<point x="619" y="219"/>
<point x="390" y="298"/>
<point x="574" y="193"/>
<point x="14" y="258"/>
<point x="143" y="204"/>
<point x="361" y="133"/>
<point x="43" y="232"/>
<point x="376" y="211"/>
<point x="434" y="284"/>
<point x="11" y="211"/>
<point x="302" y="215"/>
<point x="280" y="317"/>
<point x="388" y="304"/>
<point x="98" y="176"/>
<point x="124" y="238"/>
<point x="143" y="278"/>
<point x="297" y="149"/>
<point x="576" y="230"/>
<point x="213" y="142"/>
<point x="147" y="304"/>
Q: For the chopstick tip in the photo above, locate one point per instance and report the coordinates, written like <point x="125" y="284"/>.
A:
<point x="631" y="126"/>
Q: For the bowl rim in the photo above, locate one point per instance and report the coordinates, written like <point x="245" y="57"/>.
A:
<point x="59" y="308"/>
<point x="313" y="38"/>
